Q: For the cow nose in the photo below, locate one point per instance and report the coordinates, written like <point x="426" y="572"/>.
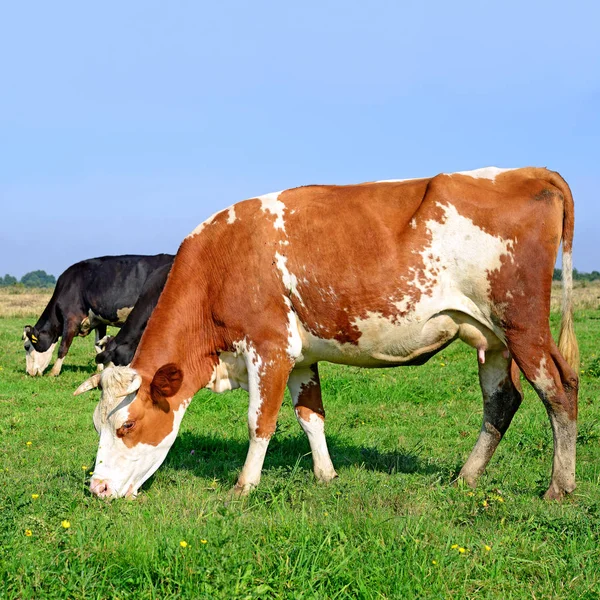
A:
<point x="100" y="488"/>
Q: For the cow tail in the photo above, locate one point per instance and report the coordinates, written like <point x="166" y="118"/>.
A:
<point x="567" y="342"/>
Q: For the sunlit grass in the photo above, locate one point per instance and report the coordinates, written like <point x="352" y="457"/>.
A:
<point x="391" y="526"/>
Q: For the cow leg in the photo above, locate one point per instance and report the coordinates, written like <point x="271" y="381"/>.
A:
<point x="267" y="377"/>
<point x="305" y="389"/>
<point x="556" y="383"/>
<point x="70" y="330"/>
<point x="100" y="334"/>
<point x="502" y="397"/>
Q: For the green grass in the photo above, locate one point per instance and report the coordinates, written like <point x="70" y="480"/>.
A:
<point x="385" y="529"/>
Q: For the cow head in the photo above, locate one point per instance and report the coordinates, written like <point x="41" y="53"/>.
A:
<point x="38" y="350"/>
<point x="138" y="422"/>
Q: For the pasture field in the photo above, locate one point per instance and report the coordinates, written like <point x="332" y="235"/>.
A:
<point x="391" y="526"/>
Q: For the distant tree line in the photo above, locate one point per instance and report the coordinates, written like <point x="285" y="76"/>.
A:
<point x="577" y="275"/>
<point x="39" y="279"/>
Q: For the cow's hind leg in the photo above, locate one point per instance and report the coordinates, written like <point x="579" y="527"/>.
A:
<point x="100" y="334"/>
<point x="501" y="398"/>
<point x="268" y="373"/>
<point x="305" y="389"/>
<point x="556" y="383"/>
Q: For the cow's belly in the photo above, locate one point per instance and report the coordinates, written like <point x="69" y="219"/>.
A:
<point x="384" y="342"/>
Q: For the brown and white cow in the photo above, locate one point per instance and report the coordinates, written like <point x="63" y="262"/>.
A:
<point x="376" y="275"/>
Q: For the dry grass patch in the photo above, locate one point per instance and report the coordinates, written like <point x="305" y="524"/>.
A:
<point x="586" y="295"/>
<point x="17" y="302"/>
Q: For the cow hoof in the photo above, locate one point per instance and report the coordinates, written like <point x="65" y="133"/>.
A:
<point x="556" y="493"/>
<point x="241" y="490"/>
<point x="553" y="494"/>
<point x="465" y="480"/>
<point x="54" y="373"/>
<point x="326" y="477"/>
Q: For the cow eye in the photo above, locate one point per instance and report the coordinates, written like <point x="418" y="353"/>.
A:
<point x="125" y="428"/>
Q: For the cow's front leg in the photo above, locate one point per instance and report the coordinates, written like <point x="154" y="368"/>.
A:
<point x="100" y="334"/>
<point x="501" y="398"/>
<point x="70" y="330"/>
<point x="267" y="376"/>
<point x="305" y="388"/>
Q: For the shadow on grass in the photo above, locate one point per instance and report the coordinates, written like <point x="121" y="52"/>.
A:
<point x="85" y="370"/>
<point x="218" y="457"/>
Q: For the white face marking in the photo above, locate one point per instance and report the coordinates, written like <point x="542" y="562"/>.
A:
<point x="126" y="469"/>
<point x="413" y="223"/>
<point x="484" y="173"/>
<point x="123" y="470"/>
<point x="270" y="203"/>
<point x="36" y="362"/>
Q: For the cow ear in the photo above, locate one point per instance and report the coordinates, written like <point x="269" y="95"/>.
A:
<point x="26" y="331"/>
<point x="165" y="384"/>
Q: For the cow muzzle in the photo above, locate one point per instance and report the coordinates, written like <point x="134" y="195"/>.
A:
<point x="102" y="488"/>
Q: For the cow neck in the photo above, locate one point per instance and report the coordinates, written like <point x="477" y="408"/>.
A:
<point x="180" y="331"/>
<point x="50" y="321"/>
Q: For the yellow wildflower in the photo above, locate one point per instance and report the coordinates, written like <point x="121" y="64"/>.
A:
<point x="84" y="467"/>
<point x="462" y="550"/>
<point x="443" y="364"/>
<point x="28" y="533"/>
<point x="484" y="503"/>
<point x="434" y="562"/>
<point x="29" y="443"/>
<point x="470" y="494"/>
<point x="183" y="544"/>
<point x="203" y="541"/>
<point x="487" y="548"/>
<point x="454" y="546"/>
<point x="35" y="496"/>
<point x="66" y="524"/>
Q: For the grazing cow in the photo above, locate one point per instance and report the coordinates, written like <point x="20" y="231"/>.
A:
<point x="119" y="350"/>
<point x="89" y="295"/>
<point x="375" y="275"/>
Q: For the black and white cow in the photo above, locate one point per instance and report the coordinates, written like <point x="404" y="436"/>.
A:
<point x="89" y="295"/>
<point x="119" y="350"/>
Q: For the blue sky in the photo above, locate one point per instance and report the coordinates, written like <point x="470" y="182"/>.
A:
<point x="124" y="125"/>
